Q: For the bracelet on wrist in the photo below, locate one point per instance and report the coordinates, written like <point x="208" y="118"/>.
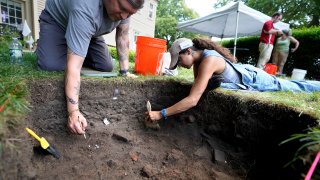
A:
<point x="163" y="113"/>
<point x="124" y="71"/>
<point x="72" y="111"/>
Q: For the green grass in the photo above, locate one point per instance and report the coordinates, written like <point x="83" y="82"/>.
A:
<point x="26" y="71"/>
<point x="185" y="74"/>
<point x="307" y="103"/>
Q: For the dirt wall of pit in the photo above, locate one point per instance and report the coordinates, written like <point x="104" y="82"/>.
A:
<point x="236" y="138"/>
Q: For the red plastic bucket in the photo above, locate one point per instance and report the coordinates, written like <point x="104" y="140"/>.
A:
<point x="149" y="52"/>
<point x="270" y="68"/>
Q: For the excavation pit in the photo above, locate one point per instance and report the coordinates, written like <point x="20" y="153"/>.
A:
<point x="223" y="137"/>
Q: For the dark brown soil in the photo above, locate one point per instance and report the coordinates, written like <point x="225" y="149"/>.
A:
<point x="186" y="147"/>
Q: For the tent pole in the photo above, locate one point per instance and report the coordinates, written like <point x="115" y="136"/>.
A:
<point x="235" y="40"/>
<point x="221" y="39"/>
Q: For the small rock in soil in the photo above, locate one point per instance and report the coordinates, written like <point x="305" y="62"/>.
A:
<point x="105" y="121"/>
<point x="203" y="152"/>
<point x="219" y="156"/>
<point x="101" y="103"/>
<point x="89" y="133"/>
<point x="86" y="113"/>
<point x="76" y="169"/>
<point x="174" y="156"/>
<point x="191" y="119"/>
<point x="121" y="136"/>
<point x="31" y="174"/>
<point x="148" y="171"/>
<point x="152" y="125"/>
<point x="134" y="156"/>
<point x="111" y="163"/>
<point x="96" y="117"/>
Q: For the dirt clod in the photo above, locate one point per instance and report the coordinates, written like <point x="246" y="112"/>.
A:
<point x="191" y="119"/>
<point x="134" y="156"/>
<point x="121" y="136"/>
<point x="111" y="163"/>
<point x="148" y="171"/>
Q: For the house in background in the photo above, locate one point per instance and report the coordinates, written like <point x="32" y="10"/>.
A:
<point x="14" y="12"/>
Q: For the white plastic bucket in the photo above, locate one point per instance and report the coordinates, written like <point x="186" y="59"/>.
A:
<point x="166" y="61"/>
<point x="298" y="74"/>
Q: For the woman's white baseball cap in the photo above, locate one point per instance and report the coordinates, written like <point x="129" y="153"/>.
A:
<point x="177" y="46"/>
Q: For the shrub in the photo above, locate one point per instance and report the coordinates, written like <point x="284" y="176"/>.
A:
<point x="113" y="52"/>
<point x="5" y="39"/>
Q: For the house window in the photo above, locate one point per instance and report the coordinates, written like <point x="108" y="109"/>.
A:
<point x="151" y="10"/>
<point x="11" y="13"/>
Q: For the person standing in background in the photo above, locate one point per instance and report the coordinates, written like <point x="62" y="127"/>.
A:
<point x="282" y="48"/>
<point x="267" y="39"/>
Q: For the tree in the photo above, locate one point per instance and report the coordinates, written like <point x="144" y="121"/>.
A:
<point x="169" y="13"/>
<point x="298" y="13"/>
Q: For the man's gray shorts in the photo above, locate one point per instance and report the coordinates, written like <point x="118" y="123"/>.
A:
<point x="52" y="48"/>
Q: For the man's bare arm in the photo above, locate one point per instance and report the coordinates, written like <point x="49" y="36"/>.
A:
<point x="273" y="31"/>
<point x="77" y="122"/>
<point x="122" y="43"/>
<point x="72" y="79"/>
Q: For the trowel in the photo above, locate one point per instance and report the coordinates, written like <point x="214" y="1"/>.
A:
<point x="44" y="144"/>
<point x="151" y="124"/>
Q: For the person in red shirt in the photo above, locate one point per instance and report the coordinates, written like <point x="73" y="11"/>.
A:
<point x="267" y="38"/>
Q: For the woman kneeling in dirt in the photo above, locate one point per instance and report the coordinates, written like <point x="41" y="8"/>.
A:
<point x="214" y="66"/>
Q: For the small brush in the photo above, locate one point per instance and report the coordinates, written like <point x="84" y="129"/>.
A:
<point x="84" y="135"/>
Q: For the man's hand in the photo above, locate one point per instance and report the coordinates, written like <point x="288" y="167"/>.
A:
<point x="130" y="75"/>
<point x="77" y="124"/>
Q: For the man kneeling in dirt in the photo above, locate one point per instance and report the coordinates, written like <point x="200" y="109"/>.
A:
<point x="71" y="36"/>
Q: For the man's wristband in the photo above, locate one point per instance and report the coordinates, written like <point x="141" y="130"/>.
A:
<point x="124" y="72"/>
<point x="163" y="113"/>
<point x="72" y="111"/>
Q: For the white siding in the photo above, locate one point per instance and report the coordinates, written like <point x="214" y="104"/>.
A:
<point x="39" y="6"/>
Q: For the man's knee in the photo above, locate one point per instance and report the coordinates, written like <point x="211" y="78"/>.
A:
<point x="100" y="66"/>
<point x="100" y="60"/>
<point x="104" y="67"/>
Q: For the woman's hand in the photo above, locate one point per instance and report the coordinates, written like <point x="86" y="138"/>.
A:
<point x="154" y="115"/>
<point x="77" y="124"/>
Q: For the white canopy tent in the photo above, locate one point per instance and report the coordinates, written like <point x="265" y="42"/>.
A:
<point x="233" y="20"/>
